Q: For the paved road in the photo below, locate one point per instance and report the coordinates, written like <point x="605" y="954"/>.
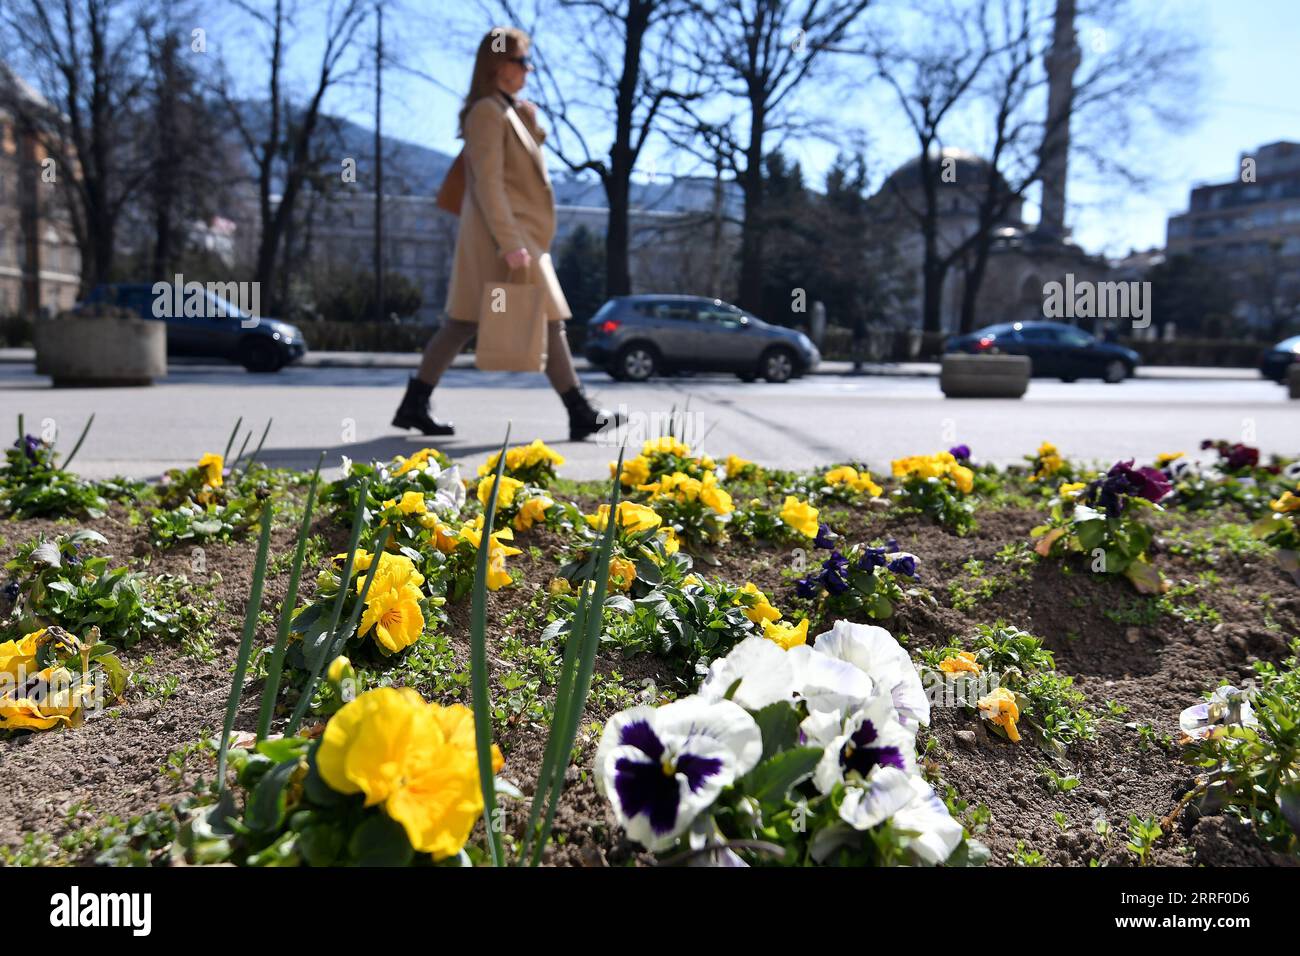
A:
<point x="816" y="420"/>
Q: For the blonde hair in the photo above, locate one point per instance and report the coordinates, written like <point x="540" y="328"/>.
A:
<point x="498" y="47"/>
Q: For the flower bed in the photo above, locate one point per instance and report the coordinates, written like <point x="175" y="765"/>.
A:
<point x="950" y="664"/>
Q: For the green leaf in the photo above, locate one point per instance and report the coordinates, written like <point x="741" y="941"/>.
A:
<point x="779" y="725"/>
<point x="267" y="803"/>
<point x="772" y="779"/>
<point x="320" y="844"/>
<point x="380" y="841"/>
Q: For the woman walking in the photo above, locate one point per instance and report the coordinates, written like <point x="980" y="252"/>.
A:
<point x="507" y="223"/>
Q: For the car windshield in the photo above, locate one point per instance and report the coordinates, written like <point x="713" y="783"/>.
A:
<point x="1076" y="337"/>
<point x="1289" y="345"/>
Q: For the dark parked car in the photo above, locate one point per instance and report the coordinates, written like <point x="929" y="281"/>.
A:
<point x="1277" y="360"/>
<point x="634" y="337"/>
<point x="1055" y="350"/>
<point x="221" y="332"/>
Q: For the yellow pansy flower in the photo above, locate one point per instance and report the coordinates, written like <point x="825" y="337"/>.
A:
<point x="963" y="663"/>
<point x="340" y="669"/>
<point x="395" y="571"/>
<point x="212" y="466"/>
<point x="800" y="516"/>
<point x="532" y="511"/>
<point x="785" y="635"/>
<point x="506" y="497"/>
<point x="735" y="465"/>
<point x="666" y="445"/>
<point x="411" y="503"/>
<point x="636" y="471"/>
<point x="1000" y="708"/>
<point x="963" y="477"/>
<point x="418" y="761"/>
<point x="1287" y="503"/>
<point x="631" y="516"/>
<point x="720" y="501"/>
<point x="622" y="573"/>
<point x="670" y="541"/>
<point x="419" y="460"/>
<point x="1165" y="457"/>
<point x="395" y="617"/>
<point x="758" y="609"/>
<point x="1071" y="488"/>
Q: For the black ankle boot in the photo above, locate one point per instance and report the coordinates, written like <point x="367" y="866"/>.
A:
<point x="584" y="420"/>
<point x="414" y="411"/>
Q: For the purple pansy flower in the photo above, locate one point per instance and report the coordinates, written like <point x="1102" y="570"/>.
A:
<point x="904" y="564"/>
<point x="960" y="452"/>
<point x="825" y="539"/>
<point x="834" y="574"/>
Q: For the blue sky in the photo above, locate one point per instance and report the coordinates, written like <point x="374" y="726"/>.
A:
<point x="1249" y="96"/>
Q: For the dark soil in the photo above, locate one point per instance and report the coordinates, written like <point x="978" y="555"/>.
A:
<point x="58" y="782"/>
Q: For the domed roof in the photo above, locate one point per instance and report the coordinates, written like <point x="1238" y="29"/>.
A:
<point x="969" y="168"/>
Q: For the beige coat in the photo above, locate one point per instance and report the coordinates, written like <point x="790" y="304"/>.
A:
<point x="509" y="204"/>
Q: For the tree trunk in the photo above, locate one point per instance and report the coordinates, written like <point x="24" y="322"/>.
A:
<point x="622" y="155"/>
<point x="751" y="232"/>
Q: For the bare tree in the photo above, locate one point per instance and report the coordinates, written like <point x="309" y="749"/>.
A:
<point x="761" y="52"/>
<point x="280" y="134"/>
<point x="84" y="57"/>
<point x="985" y="61"/>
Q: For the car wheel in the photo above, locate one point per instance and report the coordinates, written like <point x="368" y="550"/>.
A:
<point x="637" y="362"/>
<point x="1115" y="372"/>
<point x="259" y="355"/>
<point x="777" y="365"/>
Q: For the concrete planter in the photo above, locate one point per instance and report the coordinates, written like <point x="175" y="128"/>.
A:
<point x="984" y="376"/>
<point x="1293" y="380"/>
<point x="86" y="351"/>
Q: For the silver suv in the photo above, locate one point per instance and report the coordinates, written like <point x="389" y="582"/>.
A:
<point x="635" y="337"/>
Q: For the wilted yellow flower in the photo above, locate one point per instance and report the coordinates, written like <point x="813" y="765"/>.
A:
<point x="532" y="511"/>
<point x="395" y="617"/>
<point x="559" y="586"/>
<point x="622" y="573"/>
<point x="212" y="466"/>
<point x="19" y="656"/>
<point x="757" y="608"/>
<point x="963" y="663"/>
<point x="506" y="497"/>
<point x="61" y="702"/>
<point x="666" y="445"/>
<point x="416" y="760"/>
<point x="785" y="635"/>
<point x="1000" y="708"/>
<point x="631" y="516"/>
<point x="800" y="516"/>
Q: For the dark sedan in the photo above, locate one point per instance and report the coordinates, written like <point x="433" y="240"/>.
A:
<point x="635" y="337"/>
<point x="1055" y="350"/>
<point x="1279" y="359"/>
<point x="220" y="330"/>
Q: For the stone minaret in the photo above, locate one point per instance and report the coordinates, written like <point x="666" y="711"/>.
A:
<point x="1061" y="62"/>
